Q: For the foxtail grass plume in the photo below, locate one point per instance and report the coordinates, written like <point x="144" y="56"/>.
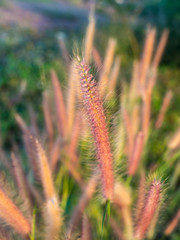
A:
<point x="173" y="224"/>
<point x="160" y="49"/>
<point x="96" y="58"/>
<point x="146" y="56"/>
<point x="12" y="215"/>
<point x="89" y="37"/>
<point x="113" y="77"/>
<point x="52" y="211"/>
<point x="149" y="209"/>
<point x="175" y="140"/>
<point x="108" y="61"/>
<point x="94" y="109"/>
<point x="86" y="231"/>
<point x="141" y="196"/>
<point x="47" y="117"/>
<point x="136" y="154"/>
<point x="22" y="183"/>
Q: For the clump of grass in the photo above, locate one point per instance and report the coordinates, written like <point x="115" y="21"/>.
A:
<point x="56" y="186"/>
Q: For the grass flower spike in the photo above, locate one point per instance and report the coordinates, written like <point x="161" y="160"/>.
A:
<point x="149" y="210"/>
<point x="94" y="108"/>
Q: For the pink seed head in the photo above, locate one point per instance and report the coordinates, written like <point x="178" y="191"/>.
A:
<point x="95" y="112"/>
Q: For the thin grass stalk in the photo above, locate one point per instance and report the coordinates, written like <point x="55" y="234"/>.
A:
<point x="48" y="118"/>
<point x="55" y="154"/>
<point x="94" y="109"/>
<point x="103" y="81"/>
<point x="33" y="121"/>
<point x="89" y="37"/>
<point x="22" y="184"/>
<point x="59" y="103"/>
<point x="136" y="154"/>
<point x="28" y="144"/>
<point x="150" y="206"/>
<point x="12" y="215"/>
<point x="160" y="49"/>
<point x="86" y="231"/>
<point x="164" y="107"/>
<point x="83" y="202"/>
<point x="23" y="126"/>
<point x="64" y="51"/>
<point x="113" y="77"/>
<point x="116" y="229"/>
<point x="96" y="58"/>
<point x="173" y="224"/>
<point x="146" y="56"/>
<point x="44" y="169"/>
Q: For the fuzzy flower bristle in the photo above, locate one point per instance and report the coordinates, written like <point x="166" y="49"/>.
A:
<point x="94" y="109"/>
<point x="149" y="210"/>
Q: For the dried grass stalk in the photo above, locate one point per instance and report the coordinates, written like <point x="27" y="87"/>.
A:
<point x="113" y="77"/>
<point x="136" y="154"/>
<point x="60" y="106"/>
<point x="22" y="183"/>
<point x="173" y="224"/>
<point x="97" y="58"/>
<point x="89" y="37"/>
<point x="103" y="81"/>
<point x="175" y="140"/>
<point x="160" y="49"/>
<point x="164" y="107"/>
<point x="86" y="231"/>
<point x="47" y="117"/>
<point x="147" y="55"/>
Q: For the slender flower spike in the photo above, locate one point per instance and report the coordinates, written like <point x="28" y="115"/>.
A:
<point x="149" y="210"/>
<point x="12" y="215"/>
<point x="94" y="109"/>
